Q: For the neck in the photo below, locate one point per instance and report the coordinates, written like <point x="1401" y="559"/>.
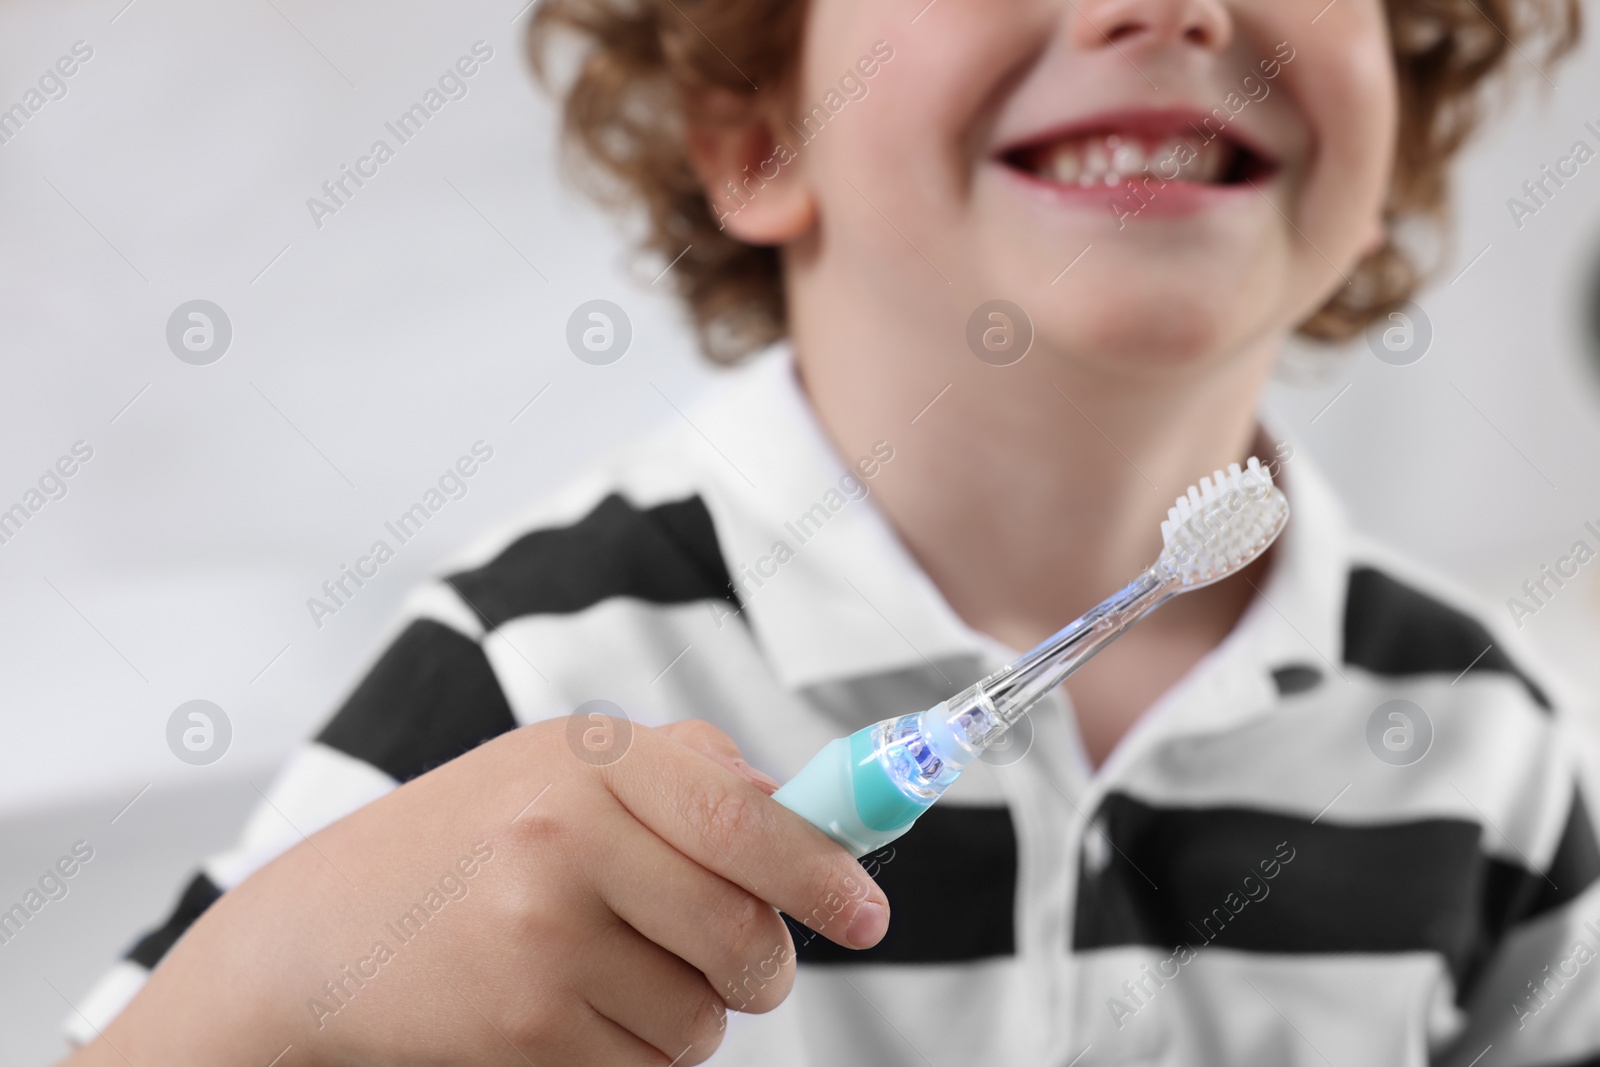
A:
<point x="1029" y="493"/>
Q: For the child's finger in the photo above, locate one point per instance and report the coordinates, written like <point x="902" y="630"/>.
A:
<point x="655" y="996"/>
<point x="731" y="937"/>
<point x="749" y="839"/>
<point x="712" y="742"/>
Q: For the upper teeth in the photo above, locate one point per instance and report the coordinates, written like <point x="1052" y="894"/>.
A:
<point x="1110" y="159"/>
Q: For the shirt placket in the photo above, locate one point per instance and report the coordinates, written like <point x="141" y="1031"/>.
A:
<point x="1224" y="694"/>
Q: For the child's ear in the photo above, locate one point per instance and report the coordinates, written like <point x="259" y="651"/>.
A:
<point x="749" y="173"/>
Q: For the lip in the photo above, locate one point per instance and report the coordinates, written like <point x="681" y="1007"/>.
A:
<point x="1140" y="196"/>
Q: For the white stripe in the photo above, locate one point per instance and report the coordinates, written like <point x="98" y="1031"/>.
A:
<point x="318" y="786"/>
<point x="930" y="1014"/>
<point x="440" y="602"/>
<point x="1494" y="756"/>
<point x="645" y="474"/>
<point x="104" y="1002"/>
<point x="617" y="649"/>
<point x="1565" y="1027"/>
<point x="1318" y="1007"/>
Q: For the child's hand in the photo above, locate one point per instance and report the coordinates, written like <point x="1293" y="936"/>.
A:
<point x="622" y="910"/>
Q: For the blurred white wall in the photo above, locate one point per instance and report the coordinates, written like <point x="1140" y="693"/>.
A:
<point x="367" y="355"/>
<point x="372" y="351"/>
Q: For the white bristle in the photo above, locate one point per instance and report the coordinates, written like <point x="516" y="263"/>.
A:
<point x="1222" y="525"/>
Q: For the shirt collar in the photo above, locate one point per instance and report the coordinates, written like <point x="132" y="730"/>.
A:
<point x="831" y="591"/>
<point x="1297" y="616"/>
<point x="827" y="585"/>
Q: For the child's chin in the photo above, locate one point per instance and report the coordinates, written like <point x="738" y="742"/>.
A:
<point x="1130" y="338"/>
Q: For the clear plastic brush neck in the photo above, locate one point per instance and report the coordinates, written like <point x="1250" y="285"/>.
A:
<point x="927" y="751"/>
<point x="1015" y="688"/>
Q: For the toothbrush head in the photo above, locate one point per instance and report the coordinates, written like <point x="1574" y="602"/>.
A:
<point x="1222" y="525"/>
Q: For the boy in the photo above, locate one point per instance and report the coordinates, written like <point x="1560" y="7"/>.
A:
<point x="1312" y="814"/>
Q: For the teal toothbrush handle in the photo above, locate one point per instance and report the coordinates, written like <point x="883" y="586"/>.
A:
<point x="847" y="792"/>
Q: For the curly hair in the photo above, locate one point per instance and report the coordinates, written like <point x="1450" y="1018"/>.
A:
<point x="624" y="129"/>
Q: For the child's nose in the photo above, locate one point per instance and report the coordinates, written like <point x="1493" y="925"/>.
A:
<point x="1151" y="24"/>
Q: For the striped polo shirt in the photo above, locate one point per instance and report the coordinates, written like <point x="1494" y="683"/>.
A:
<point x="1353" y="834"/>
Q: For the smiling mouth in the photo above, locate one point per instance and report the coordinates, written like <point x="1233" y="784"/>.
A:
<point x="1109" y="158"/>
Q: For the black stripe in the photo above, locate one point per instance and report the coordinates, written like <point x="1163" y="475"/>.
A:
<point x="1198" y="877"/>
<point x="1393" y="629"/>
<point x="667" y="554"/>
<point x="1576" y="863"/>
<point x="200" y="894"/>
<point x="430" y="697"/>
<point x="1587" y="1061"/>
<point x="952" y="888"/>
